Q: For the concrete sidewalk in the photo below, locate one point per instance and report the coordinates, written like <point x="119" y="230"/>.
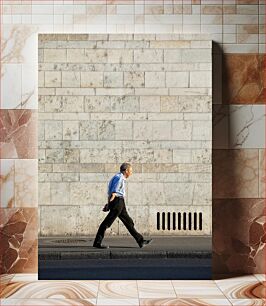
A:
<point x="122" y="247"/>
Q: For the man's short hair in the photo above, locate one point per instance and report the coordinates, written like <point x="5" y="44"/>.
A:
<point x="124" y="167"/>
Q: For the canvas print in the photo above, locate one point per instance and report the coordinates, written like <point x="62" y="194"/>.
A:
<point x="125" y="175"/>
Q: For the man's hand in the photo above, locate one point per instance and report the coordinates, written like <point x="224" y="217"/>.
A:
<point x="112" y="197"/>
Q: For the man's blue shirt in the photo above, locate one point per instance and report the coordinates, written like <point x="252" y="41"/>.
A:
<point x="117" y="185"/>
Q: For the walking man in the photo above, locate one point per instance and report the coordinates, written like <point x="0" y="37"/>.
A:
<point x="116" y="204"/>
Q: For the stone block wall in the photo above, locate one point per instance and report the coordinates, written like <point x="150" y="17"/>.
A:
<point x="106" y="99"/>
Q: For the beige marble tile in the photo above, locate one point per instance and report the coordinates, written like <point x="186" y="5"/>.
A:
<point x="197" y="289"/>
<point x="248" y="302"/>
<point x="48" y="302"/>
<point x="156" y="289"/>
<point x="51" y="290"/>
<point x="184" y="302"/>
<point x="7" y="177"/>
<point x="117" y="302"/>
<point x="242" y="287"/>
<point x="118" y="289"/>
<point x="26" y="183"/>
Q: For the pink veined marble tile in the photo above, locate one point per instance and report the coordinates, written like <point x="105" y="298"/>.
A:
<point x="235" y="173"/>
<point x="7" y="180"/>
<point x="18" y="134"/>
<point x="18" y="235"/>
<point x="238" y="243"/>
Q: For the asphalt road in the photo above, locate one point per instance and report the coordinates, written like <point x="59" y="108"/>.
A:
<point x="115" y="269"/>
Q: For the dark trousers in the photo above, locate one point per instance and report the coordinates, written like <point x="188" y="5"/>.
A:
<point x="117" y="209"/>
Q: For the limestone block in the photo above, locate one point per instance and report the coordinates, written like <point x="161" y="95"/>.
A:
<point x="169" y="104"/>
<point x="86" y="56"/>
<point x="113" y="79"/>
<point x="87" y="193"/>
<point x="41" y="130"/>
<point x="177" y="79"/>
<point x="151" y="91"/>
<point x="54" y="55"/>
<point x="163" y="156"/>
<point x="125" y="104"/>
<point x="106" y="130"/>
<point x="70" y="130"/>
<point x="70" y="177"/>
<point x="153" y="194"/>
<point x="58" y="219"/>
<point x="200" y="177"/>
<point x="88" y="130"/>
<point x="91" y="79"/>
<point x="75" y="91"/>
<point x="59" y="193"/>
<point x="173" y="177"/>
<point x="114" y="91"/>
<point x="41" y="79"/>
<point x="71" y="155"/>
<point x="54" y="155"/>
<point x="134" y="79"/>
<point x="172" y="56"/>
<point x="70" y="79"/>
<point x="196" y="104"/>
<point x="202" y="156"/>
<point x="196" y="55"/>
<point x="170" y="44"/>
<point x="44" y="193"/>
<point x="161" y="130"/>
<point x="178" y="193"/>
<point x="150" y="104"/>
<point x="72" y="104"/>
<point x="119" y="56"/>
<point x="53" y="130"/>
<point x="197" y="168"/>
<point x="148" y="56"/>
<point x="142" y="130"/>
<point x="52" y="79"/>
<point x="202" y="194"/>
<point x="97" y="104"/>
<point x="200" y="79"/>
<point x="123" y="130"/>
<point x="202" y="130"/>
<point x="134" y="192"/>
<point x="100" y="155"/>
<point x="182" y="130"/>
<point x="155" y="79"/>
<point x="181" y="156"/>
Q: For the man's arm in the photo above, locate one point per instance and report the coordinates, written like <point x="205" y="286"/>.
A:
<point x="114" y="188"/>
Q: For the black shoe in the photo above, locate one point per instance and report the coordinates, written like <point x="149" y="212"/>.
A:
<point x="143" y="243"/>
<point x="100" y="246"/>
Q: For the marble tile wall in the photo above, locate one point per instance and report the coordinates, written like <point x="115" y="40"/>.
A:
<point x="236" y="26"/>
<point x="141" y="98"/>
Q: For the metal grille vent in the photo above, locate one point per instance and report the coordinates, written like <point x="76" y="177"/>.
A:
<point x="179" y="221"/>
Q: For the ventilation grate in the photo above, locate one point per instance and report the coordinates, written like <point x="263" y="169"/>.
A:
<point x="179" y="221"/>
